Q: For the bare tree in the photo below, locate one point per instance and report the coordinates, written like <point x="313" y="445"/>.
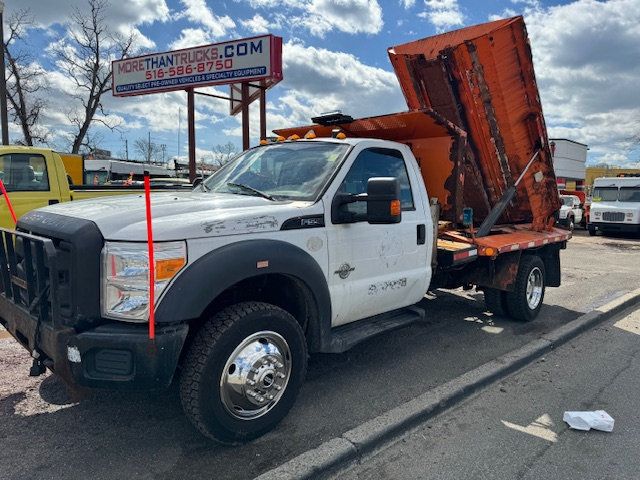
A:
<point x="24" y="81"/>
<point x="147" y="149"/>
<point x="223" y="153"/>
<point x="85" y="56"/>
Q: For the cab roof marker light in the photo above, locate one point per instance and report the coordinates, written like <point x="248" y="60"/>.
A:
<point x="280" y="138"/>
<point x="264" y="141"/>
<point x="310" y="135"/>
<point x="337" y="133"/>
<point x="294" y="137"/>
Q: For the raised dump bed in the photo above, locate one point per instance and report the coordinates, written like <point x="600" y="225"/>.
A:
<point x="481" y="80"/>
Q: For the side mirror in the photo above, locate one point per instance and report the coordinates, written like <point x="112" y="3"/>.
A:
<point x="383" y="200"/>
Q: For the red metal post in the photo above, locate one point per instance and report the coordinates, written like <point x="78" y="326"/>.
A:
<point x="263" y="113"/>
<point x="192" y="133"/>
<point x="8" y="200"/>
<point x="152" y="261"/>
<point x="245" y="116"/>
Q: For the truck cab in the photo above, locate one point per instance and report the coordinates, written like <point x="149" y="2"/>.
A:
<point x="571" y="212"/>
<point x="33" y="178"/>
<point x="615" y="205"/>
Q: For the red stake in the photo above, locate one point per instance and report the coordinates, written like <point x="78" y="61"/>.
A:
<point x="152" y="263"/>
<point x="6" y="199"/>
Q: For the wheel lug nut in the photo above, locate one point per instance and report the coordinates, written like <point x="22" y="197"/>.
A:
<point x="251" y="393"/>
<point x="251" y="382"/>
<point x="260" y="398"/>
<point x="280" y="375"/>
<point x="279" y="365"/>
<point x="277" y="387"/>
<point x="270" y="397"/>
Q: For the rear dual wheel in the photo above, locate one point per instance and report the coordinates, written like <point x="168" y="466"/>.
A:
<point x="525" y="301"/>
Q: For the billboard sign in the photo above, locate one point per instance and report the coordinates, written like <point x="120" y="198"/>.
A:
<point x="245" y="60"/>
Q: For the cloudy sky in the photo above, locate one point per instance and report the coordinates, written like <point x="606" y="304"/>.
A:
<point x="586" y="54"/>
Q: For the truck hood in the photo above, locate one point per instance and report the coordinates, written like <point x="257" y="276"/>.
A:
<point x="181" y="215"/>
<point x="615" y="207"/>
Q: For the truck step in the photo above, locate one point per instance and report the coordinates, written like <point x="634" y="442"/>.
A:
<point x="346" y="336"/>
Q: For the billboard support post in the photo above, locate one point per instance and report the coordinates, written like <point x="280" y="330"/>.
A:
<point x="245" y="115"/>
<point x="263" y="114"/>
<point x="192" y="134"/>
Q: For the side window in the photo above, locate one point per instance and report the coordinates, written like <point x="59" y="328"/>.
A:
<point x="376" y="162"/>
<point x="23" y="172"/>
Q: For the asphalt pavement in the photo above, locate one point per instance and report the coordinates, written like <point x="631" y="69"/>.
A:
<point x="48" y="432"/>
<point x="514" y="429"/>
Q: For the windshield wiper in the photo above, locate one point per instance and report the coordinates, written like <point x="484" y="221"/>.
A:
<point x="203" y="187"/>
<point x="255" y="191"/>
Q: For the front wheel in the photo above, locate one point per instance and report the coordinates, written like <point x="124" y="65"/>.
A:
<point x="592" y="231"/>
<point x="525" y="301"/>
<point x="243" y="371"/>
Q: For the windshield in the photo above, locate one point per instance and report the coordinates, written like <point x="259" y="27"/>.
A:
<point x="630" y="194"/>
<point x="568" y="201"/>
<point x="605" y="194"/>
<point x="294" y="171"/>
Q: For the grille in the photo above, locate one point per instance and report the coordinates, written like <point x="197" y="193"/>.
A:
<point x="27" y="273"/>
<point x="613" y="216"/>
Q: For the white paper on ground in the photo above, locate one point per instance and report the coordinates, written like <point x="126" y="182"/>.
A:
<point x="598" y="420"/>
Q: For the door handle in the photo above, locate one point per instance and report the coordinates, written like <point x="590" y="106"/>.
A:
<point x="422" y="234"/>
<point x="53" y="201"/>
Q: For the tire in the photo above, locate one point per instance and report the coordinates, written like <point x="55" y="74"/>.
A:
<point x="495" y="301"/>
<point x="570" y="223"/>
<point x="247" y="342"/>
<point x="523" y="303"/>
<point x="592" y="231"/>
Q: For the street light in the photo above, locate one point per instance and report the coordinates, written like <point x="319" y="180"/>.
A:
<point x="3" y="83"/>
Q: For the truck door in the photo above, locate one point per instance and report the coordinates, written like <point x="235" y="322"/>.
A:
<point x="377" y="268"/>
<point x="28" y="183"/>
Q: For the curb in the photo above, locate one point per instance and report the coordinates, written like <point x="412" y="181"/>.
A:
<point x="374" y="435"/>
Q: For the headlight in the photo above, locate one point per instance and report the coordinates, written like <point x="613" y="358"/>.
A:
<point x="597" y="214"/>
<point x="125" y="276"/>
<point x="629" y="214"/>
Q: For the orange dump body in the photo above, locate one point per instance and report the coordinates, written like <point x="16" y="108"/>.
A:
<point x="474" y="123"/>
<point x="481" y="79"/>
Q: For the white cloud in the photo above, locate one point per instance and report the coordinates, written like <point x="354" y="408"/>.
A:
<point x="586" y="59"/>
<point x="256" y="24"/>
<point x="407" y="3"/>
<point x="198" y="12"/>
<point x="124" y="17"/>
<point x="190" y="37"/>
<point x="351" y="16"/>
<point x="443" y="14"/>
<point x="319" y="80"/>
<point x="322" y="16"/>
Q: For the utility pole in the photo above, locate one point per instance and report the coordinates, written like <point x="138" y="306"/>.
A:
<point x="164" y="148"/>
<point x="149" y="148"/>
<point x="4" y="120"/>
<point x="126" y="148"/>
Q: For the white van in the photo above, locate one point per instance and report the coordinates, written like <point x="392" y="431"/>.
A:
<point x="615" y="205"/>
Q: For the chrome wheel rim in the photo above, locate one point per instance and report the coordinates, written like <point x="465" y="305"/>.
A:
<point x="256" y="375"/>
<point x="534" y="288"/>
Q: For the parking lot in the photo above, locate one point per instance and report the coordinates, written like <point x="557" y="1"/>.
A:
<point x="49" y="432"/>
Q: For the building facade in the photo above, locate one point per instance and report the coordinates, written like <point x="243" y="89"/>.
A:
<point x="569" y="163"/>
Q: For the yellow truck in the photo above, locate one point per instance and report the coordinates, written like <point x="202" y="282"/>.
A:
<point x="36" y="177"/>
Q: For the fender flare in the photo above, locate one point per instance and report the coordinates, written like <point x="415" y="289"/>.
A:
<point x="200" y="283"/>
